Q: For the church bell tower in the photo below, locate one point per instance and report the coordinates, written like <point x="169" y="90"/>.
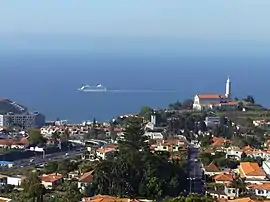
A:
<point x="228" y="88"/>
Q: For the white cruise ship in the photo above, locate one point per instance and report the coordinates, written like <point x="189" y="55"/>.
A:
<point x="98" y="88"/>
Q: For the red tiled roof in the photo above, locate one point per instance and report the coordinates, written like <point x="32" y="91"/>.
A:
<point x="211" y="96"/>
<point x="223" y="177"/>
<point x="10" y="142"/>
<point x="51" y="177"/>
<point x="86" y="177"/>
<point x="212" y="168"/>
<point x="106" y="198"/>
<point x="251" y="169"/>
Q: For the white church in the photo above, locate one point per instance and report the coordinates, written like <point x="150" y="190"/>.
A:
<point x="215" y="101"/>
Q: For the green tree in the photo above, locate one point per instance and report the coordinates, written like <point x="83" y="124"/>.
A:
<point x="134" y="138"/>
<point x="175" y="106"/>
<point x="55" y="135"/>
<point x="146" y="112"/>
<point x="35" y="136"/>
<point x="187" y="104"/>
<point x="66" y="134"/>
<point x="72" y="194"/>
<point x="138" y="172"/>
<point x="51" y="167"/>
<point x="33" y="189"/>
<point x="113" y="134"/>
<point x="250" y="99"/>
<point x="190" y="198"/>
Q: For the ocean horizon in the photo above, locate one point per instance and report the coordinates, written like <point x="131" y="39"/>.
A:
<point x="48" y="82"/>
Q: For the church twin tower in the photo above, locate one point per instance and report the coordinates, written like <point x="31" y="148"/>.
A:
<point x="228" y="88"/>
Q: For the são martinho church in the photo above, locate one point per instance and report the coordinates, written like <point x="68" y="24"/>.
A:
<point x="215" y="101"/>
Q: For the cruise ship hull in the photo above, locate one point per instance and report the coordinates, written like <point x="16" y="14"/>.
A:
<point x="93" y="90"/>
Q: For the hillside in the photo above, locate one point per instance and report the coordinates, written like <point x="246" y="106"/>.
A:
<point x="7" y="106"/>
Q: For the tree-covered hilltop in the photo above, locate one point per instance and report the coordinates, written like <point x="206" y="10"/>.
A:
<point x="136" y="172"/>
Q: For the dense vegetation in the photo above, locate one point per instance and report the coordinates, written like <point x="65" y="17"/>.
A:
<point x="136" y="172"/>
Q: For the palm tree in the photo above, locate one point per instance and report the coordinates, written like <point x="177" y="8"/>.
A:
<point x="239" y="184"/>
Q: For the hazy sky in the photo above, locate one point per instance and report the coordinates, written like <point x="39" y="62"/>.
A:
<point x="172" y="19"/>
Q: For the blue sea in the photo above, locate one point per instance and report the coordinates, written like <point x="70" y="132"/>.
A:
<point x="48" y="82"/>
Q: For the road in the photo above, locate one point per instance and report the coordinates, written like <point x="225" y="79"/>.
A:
<point x="195" y="171"/>
<point x="38" y="160"/>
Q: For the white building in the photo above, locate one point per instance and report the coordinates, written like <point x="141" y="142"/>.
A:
<point x="26" y="120"/>
<point x="15" y="180"/>
<point x="154" y="135"/>
<point x="261" y="189"/>
<point x="211" y="121"/>
<point x="15" y="114"/>
<point x="234" y="152"/>
<point x="210" y="101"/>
<point x="266" y="167"/>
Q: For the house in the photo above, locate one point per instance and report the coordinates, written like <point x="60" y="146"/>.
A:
<point x="219" y="142"/>
<point x="105" y="198"/>
<point x="15" y="180"/>
<point x="266" y="167"/>
<point x="154" y="135"/>
<point x="262" y="190"/>
<point x="173" y="145"/>
<point x="231" y="191"/>
<point x="247" y="200"/>
<point x="251" y="172"/>
<point x="51" y="180"/>
<point x="105" y="151"/>
<point x="14" y="143"/>
<point x="211" y="121"/>
<point x="234" y="152"/>
<point x="73" y="175"/>
<point x="211" y="169"/>
<point x="2" y="199"/>
<point x="226" y="105"/>
<point x="223" y="178"/>
<point x="226" y="193"/>
<point x="85" y="180"/>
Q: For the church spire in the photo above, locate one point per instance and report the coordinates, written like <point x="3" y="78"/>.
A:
<point x="228" y="88"/>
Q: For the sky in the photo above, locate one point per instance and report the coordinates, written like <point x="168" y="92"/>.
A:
<point x="74" y="24"/>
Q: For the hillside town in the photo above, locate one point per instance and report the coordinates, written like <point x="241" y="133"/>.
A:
<point x="212" y="148"/>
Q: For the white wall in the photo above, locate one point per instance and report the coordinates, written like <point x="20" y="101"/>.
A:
<point x="266" y="167"/>
<point x="16" y="181"/>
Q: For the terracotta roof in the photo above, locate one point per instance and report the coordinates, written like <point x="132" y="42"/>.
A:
<point x="51" y="177"/>
<point x="86" y="177"/>
<point x="251" y="169"/>
<point x="10" y="142"/>
<point x="212" y="168"/>
<point x="105" y="198"/>
<point x="223" y="177"/>
<point x="211" y="96"/>
<point x="4" y="199"/>
<point x="105" y="150"/>
<point x="264" y="186"/>
<point x="219" y="141"/>
<point x="247" y="200"/>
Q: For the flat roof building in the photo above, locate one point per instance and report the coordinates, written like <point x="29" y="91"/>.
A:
<point x="12" y="113"/>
